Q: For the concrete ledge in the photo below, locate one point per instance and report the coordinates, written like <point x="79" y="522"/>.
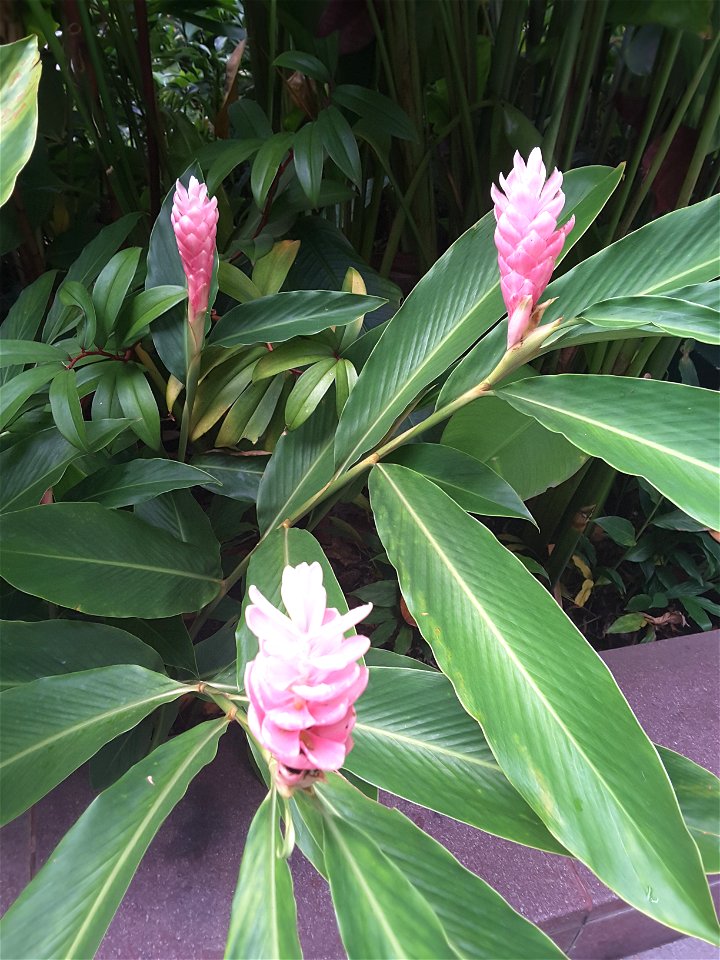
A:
<point x="178" y="905"/>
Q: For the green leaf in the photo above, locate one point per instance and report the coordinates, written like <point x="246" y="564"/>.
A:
<point x="471" y="484"/>
<point x="678" y="318"/>
<point x="340" y="143"/>
<point x="300" y="466"/>
<point x="542" y="715"/>
<point x="652" y="429"/>
<point x="286" y="315"/>
<point x="52" y="725"/>
<point x="104" y="562"/>
<point x="47" y="648"/>
<point x="66" y="410"/>
<point x="32" y="465"/>
<point x="628" y="623"/>
<point x="266" y="163"/>
<point x="19" y="79"/>
<point x="15" y="392"/>
<point x="303" y="63"/>
<point x="379" y="912"/>
<point x="236" y="284"/>
<point x="263" y="921"/>
<point x="413" y="736"/>
<point x="168" y="636"/>
<point x="123" y="484"/>
<point x="518" y="448"/>
<point x="270" y="271"/>
<point x="238" y="418"/>
<point x="110" y="288"/>
<point x="692" y="15"/>
<point x="80" y="887"/>
<point x="308" y="157"/>
<point x="385" y="115"/>
<point x="698" y="793"/>
<point x="475" y="919"/>
<point x="233" y="153"/>
<point x="706" y="294"/>
<point x="452" y="305"/>
<point x="27" y="351"/>
<point x="25" y="316"/>
<point x="180" y="515"/>
<point x="618" y="529"/>
<point x="308" y="391"/>
<point x="138" y="404"/>
<point x="258" y="422"/>
<point x="280" y="548"/>
<point x="86" y="268"/>
<point x="221" y="388"/>
<point x="295" y="353"/>
<point x="240" y="476"/>
<point x="146" y="307"/>
<point x="75" y="294"/>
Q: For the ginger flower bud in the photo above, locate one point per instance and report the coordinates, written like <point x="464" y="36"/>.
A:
<point x="305" y="679"/>
<point x="194" y="218"/>
<point x="527" y="238"/>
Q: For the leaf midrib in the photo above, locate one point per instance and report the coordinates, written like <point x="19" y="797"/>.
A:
<point x="425" y="746"/>
<point x="166" y="571"/>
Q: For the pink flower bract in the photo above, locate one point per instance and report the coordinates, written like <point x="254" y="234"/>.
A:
<point x="194" y="218"/>
<point x="305" y="679"/>
<point x="527" y="237"/>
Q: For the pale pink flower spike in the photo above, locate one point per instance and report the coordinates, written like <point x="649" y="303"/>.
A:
<point x="305" y="679"/>
<point x="527" y="238"/>
<point x="194" y="218"/>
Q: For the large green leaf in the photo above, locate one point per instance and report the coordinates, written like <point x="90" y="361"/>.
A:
<point x="678" y="318"/>
<point x="168" y="636"/>
<point x="472" y="484"/>
<point x="239" y="476"/>
<point x="46" y="648"/>
<point x="678" y="249"/>
<point x="146" y="307"/>
<point x="413" y="738"/>
<point x="27" y="351"/>
<point x="300" y="466"/>
<point x="66" y="909"/>
<point x="475" y="919"/>
<point x="294" y="314"/>
<point x="698" y="793"/>
<point x="52" y="725"/>
<point x="263" y="922"/>
<point x="15" y="392"/>
<point x="104" y="562"/>
<point x="19" y="78"/>
<point x="379" y="912"/>
<point x="25" y="316"/>
<point x="111" y="287"/>
<point x="661" y="431"/>
<point x="123" y="484"/>
<point x="452" y="305"/>
<point x="549" y="708"/>
<point x="32" y="465"/>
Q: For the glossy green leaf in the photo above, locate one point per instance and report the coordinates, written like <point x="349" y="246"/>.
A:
<point x="240" y="476"/>
<point x="86" y="268"/>
<point x="413" y="737"/>
<point x="234" y="153"/>
<point x="49" y="647"/>
<point x="303" y="63"/>
<point x="308" y="157"/>
<point x="66" y="410"/>
<point x="19" y="79"/>
<point x="80" y="887"/>
<point x="104" y="562"/>
<point x="706" y="294"/>
<point x="653" y="429"/>
<point x="266" y="163"/>
<point x="379" y="912"/>
<point x="168" y="636"/>
<point x="32" y="465"/>
<point x="238" y="417"/>
<point x="282" y="547"/>
<point x="345" y="379"/>
<point x="296" y="353"/>
<point x="27" y="351"/>
<point x="221" y="388"/>
<point x="270" y="271"/>
<point x="300" y="466"/>
<point x="618" y="529"/>
<point x="123" y="484"/>
<point x="678" y="318"/>
<point x="470" y="483"/>
<point x="146" y="307"/>
<point x="15" y="392"/>
<point x="110" y="288"/>
<point x="698" y="793"/>
<point x="259" y="420"/>
<point x="180" y="515"/>
<point x="25" y="316"/>
<point x="236" y="284"/>
<point x="308" y="391"/>
<point x="379" y="110"/>
<point x="452" y="305"/>
<point x="138" y="403"/>
<point x="675" y="250"/>
<point x="75" y="294"/>
<point x="486" y="618"/>
<point x="52" y="725"/>
<point x="263" y="922"/>
<point x="340" y="143"/>
<point x="286" y="315"/>
<point x="475" y="919"/>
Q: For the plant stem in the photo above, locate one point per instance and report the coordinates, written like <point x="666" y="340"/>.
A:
<point x="596" y="19"/>
<point x="567" y="56"/>
<point x="707" y="132"/>
<point x="193" y="376"/>
<point x="152" y="120"/>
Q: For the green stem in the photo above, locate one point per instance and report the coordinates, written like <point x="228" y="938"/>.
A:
<point x="596" y="20"/>
<point x="647" y="347"/>
<point x="382" y="49"/>
<point x="707" y="132"/>
<point x="669" y="135"/>
<point x="193" y="376"/>
<point x="567" y="56"/>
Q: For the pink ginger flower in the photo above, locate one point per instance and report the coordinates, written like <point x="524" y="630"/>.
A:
<point x="305" y="679"/>
<point x="527" y="238"/>
<point x="194" y="218"/>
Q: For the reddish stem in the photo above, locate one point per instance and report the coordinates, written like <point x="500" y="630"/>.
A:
<point x="271" y="195"/>
<point x="99" y="353"/>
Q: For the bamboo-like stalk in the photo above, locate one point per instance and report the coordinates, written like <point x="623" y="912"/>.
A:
<point x="567" y="55"/>
<point x="595" y="13"/>
<point x="711" y="116"/>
